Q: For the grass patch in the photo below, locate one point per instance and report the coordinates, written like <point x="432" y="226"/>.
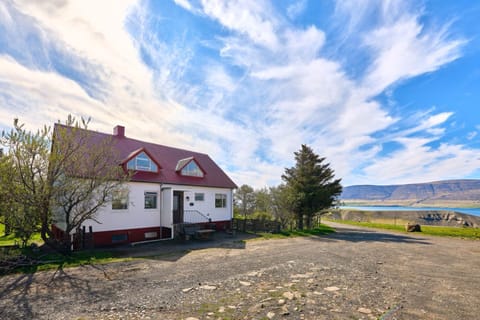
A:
<point x="11" y="239"/>
<point x="319" y="231"/>
<point x="459" y="232"/>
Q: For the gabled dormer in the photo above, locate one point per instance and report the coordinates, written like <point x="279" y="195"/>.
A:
<point x="141" y="160"/>
<point x="189" y="167"/>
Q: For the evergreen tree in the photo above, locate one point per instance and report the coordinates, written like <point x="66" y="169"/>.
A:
<point x="313" y="185"/>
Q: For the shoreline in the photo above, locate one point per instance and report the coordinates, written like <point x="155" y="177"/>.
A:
<point x="422" y="217"/>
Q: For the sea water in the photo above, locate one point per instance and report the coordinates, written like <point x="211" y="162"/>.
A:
<point x="472" y="211"/>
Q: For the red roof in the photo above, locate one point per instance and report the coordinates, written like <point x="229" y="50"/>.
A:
<point x="167" y="159"/>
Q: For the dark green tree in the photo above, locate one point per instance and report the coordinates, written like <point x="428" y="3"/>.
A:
<point x="313" y="185"/>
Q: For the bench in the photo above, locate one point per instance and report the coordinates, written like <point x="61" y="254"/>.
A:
<point x="204" y="234"/>
<point x="190" y="231"/>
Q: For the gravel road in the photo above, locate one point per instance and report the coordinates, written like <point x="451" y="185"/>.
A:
<point x="356" y="273"/>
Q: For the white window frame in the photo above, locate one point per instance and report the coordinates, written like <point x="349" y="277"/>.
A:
<point x="133" y="164"/>
<point x="150" y="193"/>
<point x="192" y="169"/>
<point x="120" y="200"/>
<point x="220" y="200"/>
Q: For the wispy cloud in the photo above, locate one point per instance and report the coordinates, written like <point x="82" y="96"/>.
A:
<point x="248" y="90"/>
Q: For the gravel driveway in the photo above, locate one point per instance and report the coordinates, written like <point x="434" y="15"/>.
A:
<point x="356" y="273"/>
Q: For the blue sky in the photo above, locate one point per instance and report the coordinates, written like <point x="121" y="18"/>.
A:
<point x="387" y="91"/>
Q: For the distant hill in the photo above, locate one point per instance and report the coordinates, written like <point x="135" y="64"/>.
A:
<point x="449" y="193"/>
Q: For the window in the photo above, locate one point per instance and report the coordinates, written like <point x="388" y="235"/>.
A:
<point x="220" y="200"/>
<point x="120" y="200"/>
<point x="150" y="235"/>
<point x="119" y="238"/>
<point x="199" y="196"/>
<point x="150" y="200"/>
<point x="192" y="169"/>
<point x="143" y="163"/>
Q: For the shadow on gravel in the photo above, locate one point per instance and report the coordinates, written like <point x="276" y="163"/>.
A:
<point x="26" y="290"/>
<point x="173" y="250"/>
<point x="371" y="236"/>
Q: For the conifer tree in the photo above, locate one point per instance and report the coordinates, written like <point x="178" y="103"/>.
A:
<point x="313" y="185"/>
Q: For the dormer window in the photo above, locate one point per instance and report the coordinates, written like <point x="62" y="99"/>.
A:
<point x="142" y="162"/>
<point x="189" y="167"/>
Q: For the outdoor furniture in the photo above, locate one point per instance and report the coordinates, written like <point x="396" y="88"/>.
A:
<point x="204" y="234"/>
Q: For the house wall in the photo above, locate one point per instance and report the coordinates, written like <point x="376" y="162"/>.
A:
<point x="136" y="221"/>
<point x="134" y="217"/>
<point x="207" y="206"/>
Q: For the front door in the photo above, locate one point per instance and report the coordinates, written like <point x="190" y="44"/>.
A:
<point x="177" y="207"/>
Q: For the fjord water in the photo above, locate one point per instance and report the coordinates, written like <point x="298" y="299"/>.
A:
<point x="471" y="211"/>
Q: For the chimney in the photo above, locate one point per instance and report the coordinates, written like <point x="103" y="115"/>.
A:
<point x="119" y="131"/>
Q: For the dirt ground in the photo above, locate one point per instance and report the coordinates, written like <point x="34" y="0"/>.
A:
<point x="355" y="273"/>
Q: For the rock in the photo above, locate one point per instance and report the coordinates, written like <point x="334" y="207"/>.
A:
<point x="413" y="227"/>
<point x="331" y="289"/>
<point x="285" y="311"/>
<point x="208" y="287"/>
<point x="245" y="283"/>
<point x="270" y="315"/>
<point x="221" y="309"/>
<point x="232" y="307"/>
<point x="281" y="302"/>
<point x="364" y="310"/>
<point x="187" y="290"/>
<point x="191" y="318"/>
<point x="289" y="295"/>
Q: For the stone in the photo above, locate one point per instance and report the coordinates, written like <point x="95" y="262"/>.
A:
<point x="364" y="310"/>
<point x="331" y="289"/>
<point x="208" y="287"/>
<point x="289" y="295"/>
<point x="191" y="318"/>
<point x="285" y="311"/>
<point x="187" y="290"/>
<point x="221" y="309"/>
<point x="245" y="283"/>
<point x="281" y="302"/>
<point x="413" y="227"/>
<point x="270" y="315"/>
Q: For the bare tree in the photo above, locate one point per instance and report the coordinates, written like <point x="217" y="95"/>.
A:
<point x="64" y="177"/>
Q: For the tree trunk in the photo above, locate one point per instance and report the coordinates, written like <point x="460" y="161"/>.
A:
<point x="300" y="221"/>
<point x="309" y="222"/>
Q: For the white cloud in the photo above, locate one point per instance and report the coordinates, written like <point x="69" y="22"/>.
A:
<point x="252" y="18"/>
<point x="296" y="9"/>
<point x="272" y="89"/>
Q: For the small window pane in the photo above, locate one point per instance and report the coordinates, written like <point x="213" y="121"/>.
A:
<point x="143" y="163"/>
<point x="120" y="200"/>
<point x="220" y="200"/>
<point x="192" y="169"/>
<point x="150" y="200"/>
<point x="119" y="238"/>
<point x="199" y="196"/>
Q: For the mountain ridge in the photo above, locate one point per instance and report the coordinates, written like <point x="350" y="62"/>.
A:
<point x="464" y="192"/>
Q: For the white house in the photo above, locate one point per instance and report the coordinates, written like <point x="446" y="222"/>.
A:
<point x="169" y="187"/>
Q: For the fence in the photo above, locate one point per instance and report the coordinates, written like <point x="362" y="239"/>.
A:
<point x="256" y="225"/>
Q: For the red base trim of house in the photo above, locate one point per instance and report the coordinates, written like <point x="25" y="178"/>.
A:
<point x="114" y="237"/>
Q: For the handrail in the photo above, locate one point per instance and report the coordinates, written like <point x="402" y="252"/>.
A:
<point x="195" y="216"/>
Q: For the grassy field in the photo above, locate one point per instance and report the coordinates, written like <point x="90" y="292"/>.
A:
<point x="11" y="239"/>
<point x="467" y="233"/>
